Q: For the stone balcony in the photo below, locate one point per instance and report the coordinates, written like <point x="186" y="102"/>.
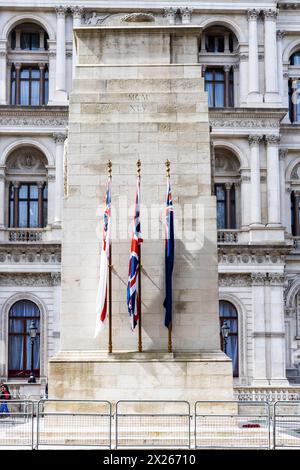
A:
<point x="30" y="235"/>
<point x="228" y="236"/>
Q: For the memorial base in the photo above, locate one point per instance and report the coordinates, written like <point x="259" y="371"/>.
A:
<point x="141" y="376"/>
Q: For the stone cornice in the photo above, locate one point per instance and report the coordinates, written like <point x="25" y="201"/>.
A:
<point x="38" y="116"/>
<point x="18" y="254"/>
<point x="30" y="279"/>
<point x="254" y="254"/>
<point x="246" y="118"/>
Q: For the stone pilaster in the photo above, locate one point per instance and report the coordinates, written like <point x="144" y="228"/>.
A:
<point x="271" y="72"/>
<point x="60" y="78"/>
<point x="254" y="141"/>
<point x="254" y="95"/>
<point x="273" y="180"/>
<point x="59" y="139"/>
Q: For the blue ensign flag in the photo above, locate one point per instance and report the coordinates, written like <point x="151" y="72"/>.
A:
<point x="169" y="256"/>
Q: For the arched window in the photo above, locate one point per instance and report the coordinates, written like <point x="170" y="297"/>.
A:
<point x="218" y="54"/>
<point x="26" y="176"/>
<point x="295" y="58"/>
<point x="28" y="44"/>
<point x="227" y="178"/>
<point x="228" y="313"/>
<point x="19" y="345"/>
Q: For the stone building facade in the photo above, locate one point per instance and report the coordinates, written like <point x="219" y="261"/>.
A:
<point x="250" y="57"/>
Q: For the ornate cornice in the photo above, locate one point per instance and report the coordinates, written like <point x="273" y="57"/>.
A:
<point x="246" y="118"/>
<point x="40" y="116"/>
<point x="234" y="280"/>
<point x="248" y="256"/>
<point x="290" y="6"/>
<point x="29" y="279"/>
<point x="30" y="254"/>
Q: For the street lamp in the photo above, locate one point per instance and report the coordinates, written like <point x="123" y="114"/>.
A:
<point x="225" y="330"/>
<point x="32" y="333"/>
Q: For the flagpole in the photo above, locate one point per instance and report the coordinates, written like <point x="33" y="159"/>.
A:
<point x="170" y="345"/>
<point x="140" y="345"/>
<point x="109" y="170"/>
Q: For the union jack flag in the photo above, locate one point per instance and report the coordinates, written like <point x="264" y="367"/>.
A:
<point x="134" y="263"/>
<point x="101" y="302"/>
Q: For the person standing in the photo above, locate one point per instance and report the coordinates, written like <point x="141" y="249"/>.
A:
<point x="4" y="396"/>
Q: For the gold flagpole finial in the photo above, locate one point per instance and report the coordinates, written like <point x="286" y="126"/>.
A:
<point x="138" y="168"/>
<point x="109" y="168"/>
<point x="168" y="168"/>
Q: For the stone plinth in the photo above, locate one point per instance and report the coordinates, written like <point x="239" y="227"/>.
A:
<point x="124" y="111"/>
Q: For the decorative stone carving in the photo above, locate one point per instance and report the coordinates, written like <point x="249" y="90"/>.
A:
<point x="56" y="279"/>
<point x="59" y="137"/>
<point x="29" y="253"/>
<point x="234" y="280"/>
<point x="258" y="279"/>
<point x="272" y="139"/>
<point x="252" y="14"/>
<point x="29" y="279"/>
<point x="270" y="14"/>
<point x="254" y="139"/>
<point x="170" y="14"/>
<point x="186" y="14"/>
<point x="295" y="175"/>
<point x="244" y="123"/>
<point x="61" y="10"/>
<point x="138" y="18"/>
<point x="280" y="34"/>
<point x="94" y="18"/>
<point x="26" y="160"/>
<point x="283" y="153"/>
<point x="276" y="279"/>
<point x="76" y="11"/>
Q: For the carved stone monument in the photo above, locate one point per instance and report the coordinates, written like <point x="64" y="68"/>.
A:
<point x="138" y="94"/>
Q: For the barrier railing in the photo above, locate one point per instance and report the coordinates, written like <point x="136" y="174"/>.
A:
<point x="165" y="424"/>
<point x="16" y="423"/>
<point x="286" y="425"/>
<point x="75" y="423"/>
<point x="153" y="424"/>
<point x="234" y="425"/>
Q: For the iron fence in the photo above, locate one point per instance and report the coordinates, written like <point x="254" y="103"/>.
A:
<point x="153" y="424"/>
<point x="286" y="425"/>
<point x="16" y="423"/>
<point x="231" y="424"/>
<point x="75" y="423"/>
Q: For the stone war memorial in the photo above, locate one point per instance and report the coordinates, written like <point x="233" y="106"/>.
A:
<point x="138" y="94"/>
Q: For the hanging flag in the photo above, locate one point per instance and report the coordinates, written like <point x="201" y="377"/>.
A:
<point x="101" y="302"/>
<point x="134" y="263"/>
<point x="169" y="256"/>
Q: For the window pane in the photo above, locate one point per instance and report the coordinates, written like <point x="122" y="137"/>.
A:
<point x="208" y="75"/>
<point x="16" y="326"/>
<point x="35" y="93"/>
<point x="36" y="353"/>
<point x="220" y="44"/>
<point x="23" y="222"/>
<point x="295" y="59"/>
<point x="35" y="73"/>
<point x="13" y="40"/>
<point x="15" y="353"/>
<point x="24" y="73"/>
<point x="210" y="43"/>
<point x="34" y="194"/>
<point x="220" y="192"/>
<point x="221" y="222"/>
<point x="24" y="308"/>
<point x="35" y="41"/>
<point x="25" y="40"/>
<point x="23" y="191"/>
<point x="45" y="213"/>
<point x="11" y="213"/>
<point x="219" y="94"/>
<point x="210" y="90"/>
<point x="45" y="192"/>
<point x="46" y="89"/>
<point x="33" y="212"/>
<point x="219" y="75"/>
<point x="13" y="92"/>
<point x="24" y="93"/>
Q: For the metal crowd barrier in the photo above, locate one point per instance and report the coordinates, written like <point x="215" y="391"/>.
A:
<point x="16" y="426"/>
<point x="75" y="423"/>
<point x="286" y="425"/>
<point x="147" y="423"/>
<point x="232" y="425"/>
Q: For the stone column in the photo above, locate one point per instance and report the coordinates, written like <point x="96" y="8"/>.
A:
<point x="276" y="330"/>
<point x="259" y="329"/>
<point x="18" y="68"/>
<point x="273" y="180"/>
<point x="40" y="203"/>
<point x="2" y="197"/>
<point x="254" y="95"/>
<point x="271" y="73"/>
<point x="51" y="195"/>
<point x="42" y="83"/>
<point x="228" y="204"/>
<point x="280" y="36"/>
<point x="245" y="201"/>
<point x="16" y="186"/>
<point x="60" y="49"/>
<point x="254" y="141"/>
<point x="285" y="94"/>
<point x="284" y="212"/>
<point x="52" y="74"/>
<point x="243" y="79"/>
<point x="76" y="12"/>
<point x="226" y="72"/>
<point x="59" y="183"/>
<point x="3" y="72"/>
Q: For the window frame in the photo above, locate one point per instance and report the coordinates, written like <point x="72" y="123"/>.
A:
<point x="222" y="319"/>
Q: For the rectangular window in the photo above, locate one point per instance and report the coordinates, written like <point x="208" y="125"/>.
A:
<point x="221" y="206"/>
<point x="30" y="41"/>
<point x="215" y="87"/>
